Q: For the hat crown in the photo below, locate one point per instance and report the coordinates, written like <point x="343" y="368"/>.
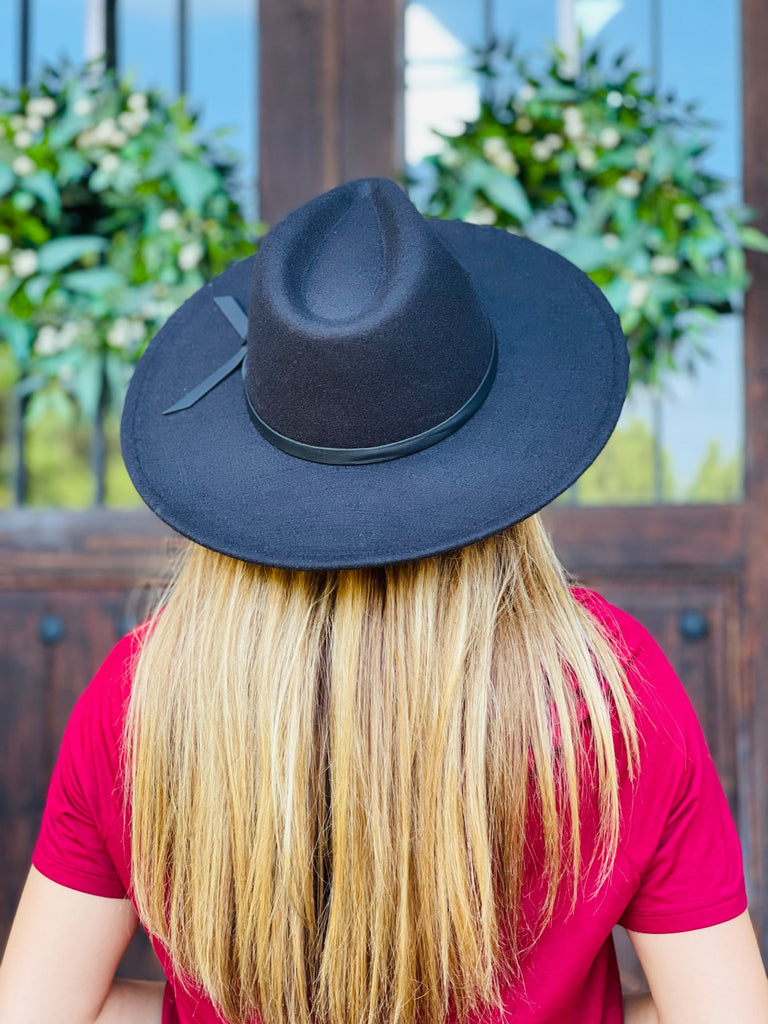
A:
<point x="363" y="328"/>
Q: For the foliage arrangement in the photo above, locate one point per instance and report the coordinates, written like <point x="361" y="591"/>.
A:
<point x="113" y="209"/>
<point x="599" y="166"/>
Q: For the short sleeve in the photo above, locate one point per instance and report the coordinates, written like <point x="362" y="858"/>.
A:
<point x="71" y="848"/>
<point x="682" y="841"/>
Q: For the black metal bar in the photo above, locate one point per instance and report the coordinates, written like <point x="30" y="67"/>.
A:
<point x="99" y="444"/>
<point x="110" y="33"/>
<point x="256" y="193"/>
<point x="658" y="413"/>
<point x="24" y="41"/>
<point x="181" y="28"/>
<point x="20" y="476"/>
<point x="488" y="34"/>
<point x="656" y="42"/>
<point x="658" y="450"/>
<point x="488" y="22"/>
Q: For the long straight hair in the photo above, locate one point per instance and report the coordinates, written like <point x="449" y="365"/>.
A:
<point x="330" y="774"/>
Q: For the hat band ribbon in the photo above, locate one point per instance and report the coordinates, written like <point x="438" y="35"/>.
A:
<point x="335" y="456"/>
<point x="380" y="452"/>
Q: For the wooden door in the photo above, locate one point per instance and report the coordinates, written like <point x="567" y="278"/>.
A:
<point x="71" y="584"/>
<point x="696" y="576"/>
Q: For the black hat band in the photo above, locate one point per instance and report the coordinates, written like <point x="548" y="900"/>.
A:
<point x="379" y="452"/>
<point x="333" y="456"/>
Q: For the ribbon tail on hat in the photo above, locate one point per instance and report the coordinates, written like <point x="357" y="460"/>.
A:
<point x="234" y="312"/>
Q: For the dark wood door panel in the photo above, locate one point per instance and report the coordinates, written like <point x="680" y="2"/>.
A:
<point x="53" y="642"/>
<point x="696" y="626"/>
<point x="24" y="755"/>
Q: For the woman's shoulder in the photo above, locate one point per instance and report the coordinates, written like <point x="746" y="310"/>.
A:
<point x="666" y="710"/>
<point x="102" y="704"/>
<point x="624" y="628"/>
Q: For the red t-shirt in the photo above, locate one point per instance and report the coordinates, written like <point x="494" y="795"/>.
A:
<point x="679" y="865"/>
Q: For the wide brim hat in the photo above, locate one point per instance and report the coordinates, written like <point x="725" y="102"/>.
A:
<point x="373" y="386"/>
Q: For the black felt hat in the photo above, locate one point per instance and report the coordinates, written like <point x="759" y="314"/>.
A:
<point x="373" y="386"/>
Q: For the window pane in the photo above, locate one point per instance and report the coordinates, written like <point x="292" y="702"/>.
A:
<point x="147" y="43"/>
<point x="441" y="91"/>
<point x="461" y="19"/>
<point x="57" y="30"/>
<point x="530" y="22"/>
<point x="9" y="43"/>
<point x="221" y="80"/>
<point x="685" y="442"/>
<point x="699" y="419"/>
<point x="621" y="25"/>
<point x="224" y="88"/>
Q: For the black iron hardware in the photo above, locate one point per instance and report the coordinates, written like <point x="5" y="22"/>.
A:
<point x="51" y="629"/>
<point x="693" y="625"/>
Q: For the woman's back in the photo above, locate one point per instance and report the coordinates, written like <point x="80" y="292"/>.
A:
<point x="677" y="820"/>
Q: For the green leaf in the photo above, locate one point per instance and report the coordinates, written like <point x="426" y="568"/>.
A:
<point x="36" y="287"/>
<point x="88" y="384"/>
<point x="557" y="93"/>
<point x="576" y="198"/>
<point x="751" y="238"/>
<point x="34" y="388"/>
<point x="161" y="160"/>
<point x="599" y="210"/>
<point x="18" y="334"/>
<point x="625" y="215"/>
<point x="588" y="253"/>
<point x="60" y="252"/>
<point x="666" y="156"/>
<point x="741" y="213"/>
<point x="617" y="292"/>
<point x="500" y="188"/>
<point x="7" y="179"/>
<point x="118" y="373"/>
<point x="553" y="237"/>
<point x="72" y="167"/>
<point x="734" y="261"/>
<point x="630" y="319"/>
<point x="460" y="200"/>
<point x="62" y="133"/>
<point x="43" y="185"/>
<point x="195" y="183"/>
<point x="508" y="193"/>
<point x="22" y="200"/>
<point x="95" y="281"/>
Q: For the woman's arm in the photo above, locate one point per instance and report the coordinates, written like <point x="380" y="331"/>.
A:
<point x="639" y="1008"/>
<point x="60" y="961"/>
<point x="133" y="1002"/>
<point x="708" y="976"/>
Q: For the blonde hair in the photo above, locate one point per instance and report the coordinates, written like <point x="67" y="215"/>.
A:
<point x="330" y="775"/>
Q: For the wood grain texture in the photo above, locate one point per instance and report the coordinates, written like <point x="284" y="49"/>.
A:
<point x="754" y="732"/>
<point x="371" y="89"/>
<point x="330" y="97"/>
<point x="698" y="539"/>
<point x="42" y="548"/>
<point x="41" y="677"/>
